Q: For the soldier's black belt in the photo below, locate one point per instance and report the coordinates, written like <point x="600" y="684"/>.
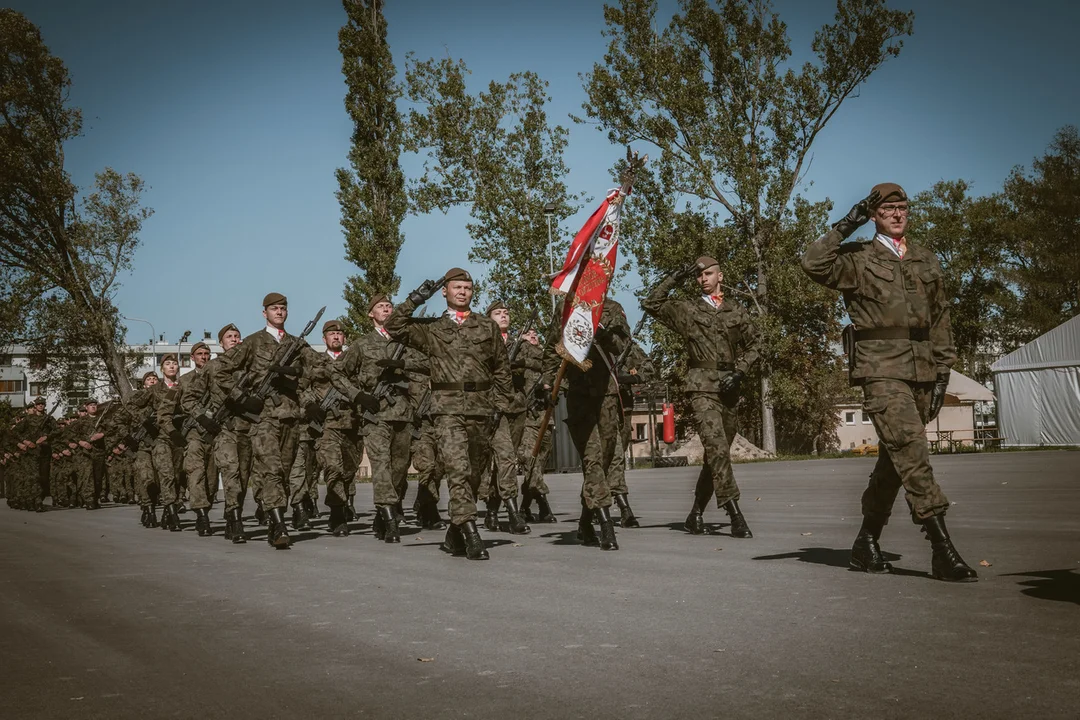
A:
<point x="707" y="365"/>
<point x="465" y="386"/>
<point x="893" y="333"/>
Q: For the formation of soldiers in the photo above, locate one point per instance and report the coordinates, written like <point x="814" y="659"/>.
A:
<point x="456" y="399"/>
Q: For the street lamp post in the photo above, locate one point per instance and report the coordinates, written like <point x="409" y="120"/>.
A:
<point x="153" y="334"/>
<point x="549" y="213"/>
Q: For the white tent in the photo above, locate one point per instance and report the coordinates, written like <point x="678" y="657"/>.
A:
<point x="1038" y="389"/>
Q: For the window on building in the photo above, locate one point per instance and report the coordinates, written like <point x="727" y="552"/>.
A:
<point x="849" y="417"/>
<point x="639" y="431"/>
<point x="39" y="389"/>
<point x="11" y="386"/>
<point x="5" y="359"/>
<point x="865" y="419"/>
<point x="185" y="360"/>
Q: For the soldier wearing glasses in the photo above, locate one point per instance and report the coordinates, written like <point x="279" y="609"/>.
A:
<point x="900" y="350"/>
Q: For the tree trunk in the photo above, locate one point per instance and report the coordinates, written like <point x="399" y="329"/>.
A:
<point x="768" y="426"/>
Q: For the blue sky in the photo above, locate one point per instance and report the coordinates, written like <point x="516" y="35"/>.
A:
<point x="232" y="112"/>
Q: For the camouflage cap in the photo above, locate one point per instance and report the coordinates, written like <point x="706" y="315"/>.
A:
<point x="169" y="357"/>
<point x="332" y="326"/>
<point x="376" y="299"/>
<point x="457" y="273"/>
<point x="497" y="305"/>
<point x="199" y="346"/>
<point x="275" y="299"/>
<point x="706" y="261"/>
<point x="227" y="328"/>
<point x="890" y="192"/>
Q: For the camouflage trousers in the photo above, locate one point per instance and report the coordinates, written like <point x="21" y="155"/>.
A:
<point x="899" y="412"/>
<point x="197" y="463"/>
<point x="302" y="473"/>
<point x="428" y="467"/>
<point x="336" y="451"/>
<point x="232" y="455"/>
<point x="618" y="465"/>
<point x="147" y="488"/>
<point x="274" y="445"/>
<point x="715" y="423"/>
<point x="501" y="480"/>
<point x="168" y="460"/>
<point x="388" y="445"/>
<point x="122" y="477"/>
<point x="595" y="425"/>
<point x="90" y="477"/>
<point x="59" y="475"/>
<point x="533" y="468"/>
<point x="463" y="446"/>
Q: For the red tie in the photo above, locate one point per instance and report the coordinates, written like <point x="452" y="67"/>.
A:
<point x="280" y="334"/>
<point x="718" y="300"/>
<point x="901" y="246"/>
<point x="460" y="316"/>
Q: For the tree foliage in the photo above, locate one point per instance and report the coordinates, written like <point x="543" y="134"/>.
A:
<point x="496" y="152"/>
<point x="62" y="254"/>
<point x="372" y="190"/>
<point x="734" y="124"/>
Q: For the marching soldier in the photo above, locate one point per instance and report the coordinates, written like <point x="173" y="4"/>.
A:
<point x="533" y="487"/>
<point x="384" y="369"/>
<point x="142" y="405"/>
<point x="594" y="419"/>
<point x="90" y="457"/>
<point x="723" y="345"/>
<point x="500" y="485"/>
<point x="197" y="447"/>
<point x="636" y="369"/>
<point x="168" y="447"/>
<point x="900" y="349"/>
<point x="470" y="380"/>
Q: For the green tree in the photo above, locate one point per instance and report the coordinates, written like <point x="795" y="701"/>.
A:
<point x="372" y="190"/>
<point x="497" y="153"/>
<point x="1042" y="240"/>
<point x="62" y="253"/>
<point x="734" y="124"/>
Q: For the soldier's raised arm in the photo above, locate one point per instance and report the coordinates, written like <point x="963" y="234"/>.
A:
<point x="822" y="260"/>
<point x="667" y="310"/>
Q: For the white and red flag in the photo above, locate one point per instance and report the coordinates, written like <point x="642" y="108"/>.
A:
<point x="585" y="276"/>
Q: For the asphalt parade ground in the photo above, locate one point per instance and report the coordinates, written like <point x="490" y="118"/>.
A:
<point x="101" y="618"/>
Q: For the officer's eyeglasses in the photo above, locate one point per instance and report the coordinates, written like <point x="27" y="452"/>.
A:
<point x="900" y="210"/>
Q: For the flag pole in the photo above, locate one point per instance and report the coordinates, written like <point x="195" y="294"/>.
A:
<point x="550" y="408"/>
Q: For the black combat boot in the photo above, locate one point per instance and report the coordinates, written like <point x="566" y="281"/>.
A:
<point x="865" y="553"/>
<point x="586" y="534"/>
<point x="399" y="514"/>
<point x="474" y="546"/>
<point x="946" y="564"/>
<point x="607" y="529"/>
<point x="391" y="532"/>
<point x="142" y="519"/>
<point x="518" y="525"/>
<point x="260" y="514"/>
<point x="739" y="528"/>
<point x="300" y="519"/>
<point x="350" y="511"/>
<point x="228" y="525"/>
<point x="454" y="542"/>
<point x="202" y="523"/>
<point x="339" y="526"/>
<point x="310" y="508"/>
<point x="170" y="519"/>
<point x="526" y="505"/>
<point x="278" y="534"/>
<point x="429" y="516"/>
<point x="236" y="517"/>
<point x="695" y="522"/>
<point x="543" y="510"/>
<point x="491" y="517"/>
<point x="626" y="515"/>
<point x="151" y="518"/>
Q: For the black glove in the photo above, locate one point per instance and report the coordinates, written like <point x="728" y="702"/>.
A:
<point x="937" y="396"/>
<point x="314" y="411"/>
<point x="688" y="271"/>
<point x="729" y="384"/>
<point x="252" y="404"/>
<point x="290" y="370"/>
<point x="859" y="214"/>
<point x="207" y="423"/>
<point x="422" y="294"/>
<point x="366" y="400"/>
<point x="543" y="397"/>
<point x="628" y="379"/>
<point x="397" y="364"/>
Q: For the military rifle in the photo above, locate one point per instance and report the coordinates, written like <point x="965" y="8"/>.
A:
<point x="386" y="384"/>
<point x="513" y="355"/>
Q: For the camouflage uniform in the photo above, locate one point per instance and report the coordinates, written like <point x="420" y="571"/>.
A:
<point x="903" y="342"/>
<point x="470" y="381"/>
<point x="338" y="449"/>
<point x="232" y="443"/>
<point x="197" y="446"/>
<point x="594" y="416"/>
<point x="530" y="359"/>
<point x="501" y="482"/>
<point x="168" y="448"/>
<point x="638" y="364"/>
<point x="720" y="340"/>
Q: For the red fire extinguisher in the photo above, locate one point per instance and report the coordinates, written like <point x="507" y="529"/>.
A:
<point x="669" y="423"/>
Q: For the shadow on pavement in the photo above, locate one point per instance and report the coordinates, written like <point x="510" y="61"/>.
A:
<point x="568" y="537"/>
<point x="838" y="558"/>
<point x="1059" y="585"/>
